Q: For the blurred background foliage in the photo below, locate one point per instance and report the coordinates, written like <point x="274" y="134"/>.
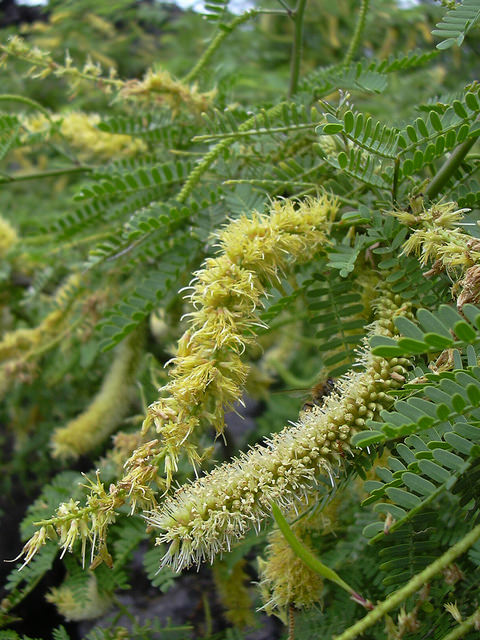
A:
<point x="127" y="38"/>
<point x="130" y="37"/>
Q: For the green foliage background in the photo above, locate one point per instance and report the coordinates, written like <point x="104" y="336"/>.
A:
<point x="133" y="222"/>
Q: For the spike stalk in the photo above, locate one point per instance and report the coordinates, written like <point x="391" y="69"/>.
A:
<point x="357" y="36"/>
<point x="297" y="47"/>
<point x="412" y="586"/>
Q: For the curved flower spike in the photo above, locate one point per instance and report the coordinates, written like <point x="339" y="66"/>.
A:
<point x="205" y="517"/>
<point x="208" y="375"/>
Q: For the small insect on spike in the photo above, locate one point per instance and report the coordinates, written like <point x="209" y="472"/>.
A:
<point x="283" y="469"/>
<point x="319" y="392"/>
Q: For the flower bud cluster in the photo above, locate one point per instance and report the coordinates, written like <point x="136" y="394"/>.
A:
<point x="72" y="523"/>
<point x="89" y="524"/>
<point x="161" y="87"/>
<point x="106" y="410"/>
<point x="208" y="374"/>
<point x="438" y="239"/>
<point x="80" y="130"/>
<point x="205" y="517"/>
<point x="42" y="65"/>
<point x="285" y="579"/>
<point x="19" y="348"/>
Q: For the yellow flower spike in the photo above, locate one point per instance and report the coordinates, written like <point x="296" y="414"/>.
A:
<point x="438" y="239"/>
<point x="208" y="376"/>
<point x="161" y="87"/>
<point x="225" y="504"/>
<point x="436" y="235"/>
<point x="106" y="410"/>
<point x="80" y="130"/>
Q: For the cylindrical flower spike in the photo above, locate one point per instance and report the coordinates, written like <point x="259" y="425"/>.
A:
<point x="208" y="375"/>
<point x="106" y="410"/>
<point x="159" y="86"/>
<point x="205" y="517"/>
<point x="285" y="578"/>
<point x="438" y="238"/>
<point x="81" y="131"/>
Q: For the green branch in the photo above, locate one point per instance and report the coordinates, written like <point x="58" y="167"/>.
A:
<point x="45" y="174"/>
<point x="448" y="168"/>
<point x="464" y="627"/>
<point x="297" y="46"/>
<point x="10" y="97"/>
<point x="357" y="36"/>
<point x="224" y="31"/>
<point x="210" y="157"/>
<point x="412" y="586"/>
<point x="288" y="9"/>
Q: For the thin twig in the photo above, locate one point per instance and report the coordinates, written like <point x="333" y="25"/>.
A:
<point x="357" y="36"/>
<point x="448" y="168"/>
<point x="463" y="627"/>
<point x="412" y="586"/>
<point x="291" y="623"/>
<point x="288" y="8"/>
<point x="10" y="97"/>
<point x="46" y="174"/>
<point x="297" y="46"/>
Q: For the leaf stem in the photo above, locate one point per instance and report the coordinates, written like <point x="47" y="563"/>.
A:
<point x="46" y="174"/>
<point x="210" y="157"/>
<point x="288" y="9"/>
<point x="297" y="46"/>
<point x="223" y="33"/>
<point x="357" y="36"/>
<point x="448" y="168"/>
<point x="254" y="132"/>
<point x="10" y="97"/>
<point x="395" y="180"/>
<point x="412" y="586"/>
<point x="305" y="554"/>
